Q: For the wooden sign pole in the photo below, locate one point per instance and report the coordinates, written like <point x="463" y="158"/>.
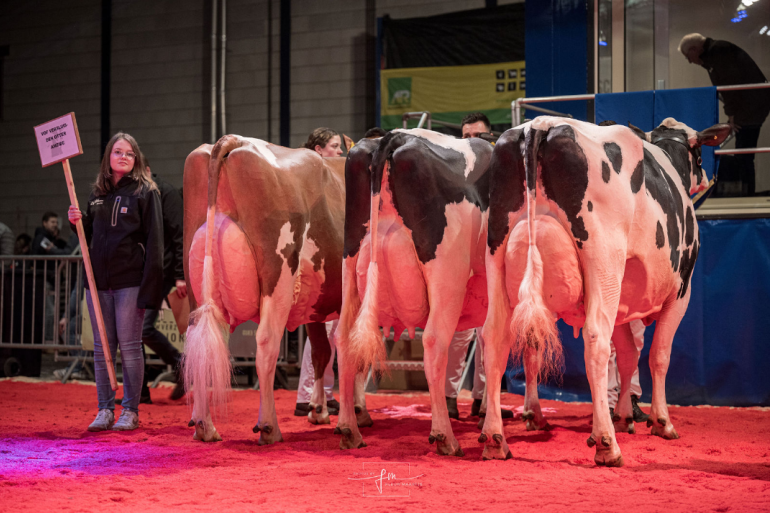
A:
<point x="90" y="275"/>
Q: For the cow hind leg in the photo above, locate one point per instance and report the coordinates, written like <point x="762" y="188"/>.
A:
<point x="532" y="414"/>
<point x="597" y="330"/>
<point x="627" y="357"/>
<point x="363" y="419"/>
<point x="660" y="354"/>
<point x="496" y="348"/>
<point x="321" y="353"/>
<point x="347" y="422"/>
<point x="269" y="335"/>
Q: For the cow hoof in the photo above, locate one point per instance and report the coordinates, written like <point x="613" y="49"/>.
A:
<point x="349" y="439"/>
<point x="667" y="432"/>
<point x="543" y="425"/>
<point x="625" y="426"/>
<point x="497" y="449"/>
<point x="268" y="434"/>
<point x="528" y="415"/>
<point x="204" y="435"/>
<point x="191" y="423"/>
<point x="482" y="438"/>
<point x="609" y="462"/>
<point x="314" y="417"/>
<point x="607" y="452"/>
<point x="363" y="419"/>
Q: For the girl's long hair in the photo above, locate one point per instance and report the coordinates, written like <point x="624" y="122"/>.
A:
<point x="103" y="184"/>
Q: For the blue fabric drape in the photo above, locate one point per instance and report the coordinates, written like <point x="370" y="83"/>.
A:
<point x="623" y="108"/>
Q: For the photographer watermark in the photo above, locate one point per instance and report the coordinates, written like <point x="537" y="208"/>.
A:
<point x="387" y="479"/>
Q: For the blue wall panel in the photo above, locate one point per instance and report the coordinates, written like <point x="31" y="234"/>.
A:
<point x="556" y="52"/>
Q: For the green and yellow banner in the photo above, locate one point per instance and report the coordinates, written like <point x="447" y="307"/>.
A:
<point x="451" y="92"/>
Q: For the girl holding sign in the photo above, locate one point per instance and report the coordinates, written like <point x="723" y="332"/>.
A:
<point x="123" y="226"/>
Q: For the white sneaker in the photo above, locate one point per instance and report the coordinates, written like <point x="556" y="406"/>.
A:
<point x="128" y="421"/>
<point x="104" y="421"/>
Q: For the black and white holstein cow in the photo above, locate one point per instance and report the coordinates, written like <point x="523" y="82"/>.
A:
<point x="415" y="239"/>
<point x="595" y="226"/>
<point x="263" y="242"/>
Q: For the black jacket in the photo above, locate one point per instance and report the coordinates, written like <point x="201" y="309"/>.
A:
<point x="173" y="236"/>
<point x="124" y="229"/>
<point x="728" y="64"/>
<point x="59" y="247"/>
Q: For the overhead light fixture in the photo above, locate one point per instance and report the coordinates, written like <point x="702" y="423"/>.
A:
<point x="763" y="30"/>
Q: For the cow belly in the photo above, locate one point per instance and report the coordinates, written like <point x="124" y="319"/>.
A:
<point x="562" y="279"/>
<point x="402" y="298"/>
<point x="647" y="282"/>
<point x="236" y="288"/>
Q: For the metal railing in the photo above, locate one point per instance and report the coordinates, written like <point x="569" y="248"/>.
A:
<point x="37" y="296"/>
<point x="41" y="308"/>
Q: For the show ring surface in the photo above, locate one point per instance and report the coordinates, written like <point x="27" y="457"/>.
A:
<point x="48" y="461"/>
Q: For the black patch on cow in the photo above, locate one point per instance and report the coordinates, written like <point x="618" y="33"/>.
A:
<point x="697" y="171"/>
<point x="357" y="194"/>
<point x="660" y="238"/>
<point x="637" y="177"/>
<point x="605" y="172"/>
<point x="678" y="152"/>
<point x="590" y="207"/>
<point x="664" y="191"/>
<point x="685" y="271"/>
<point x="565" y="176"/>
<point x="616" y="157"/>
<point x="506" y="185"/>
<point x="424" y="178"/>
<point x="689" y="228"/>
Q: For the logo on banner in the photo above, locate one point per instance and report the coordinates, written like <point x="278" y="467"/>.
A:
<point x="400" y="91"/>
<point x="387" y="479"/>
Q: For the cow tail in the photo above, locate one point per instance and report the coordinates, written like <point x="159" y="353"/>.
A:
<point x="366" y="346"/>
<point x="206" y="357"/>
<point x="532" y="324"/>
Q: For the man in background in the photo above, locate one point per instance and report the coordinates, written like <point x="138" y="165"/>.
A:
<point x="746" y="110"/>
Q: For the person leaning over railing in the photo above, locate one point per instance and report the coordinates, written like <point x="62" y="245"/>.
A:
<point x="124" y="230"/>
<point x="746" y="110"/>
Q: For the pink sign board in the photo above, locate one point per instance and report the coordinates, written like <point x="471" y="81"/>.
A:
<point x="58" y="140"/>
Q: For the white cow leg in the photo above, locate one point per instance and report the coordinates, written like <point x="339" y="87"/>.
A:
<point x="347" y="425"/>
<point x="497" y="346"/>
<point x="269" y="335"/>
<point x="596" y="336"/>
<point x="660" y="354"/>
<point x="435" y="340"/>
<point x="363" y="419"/>
<point x="532" y="414"/>
<point x="627" y="357"/>
<point x="321" y="354"/>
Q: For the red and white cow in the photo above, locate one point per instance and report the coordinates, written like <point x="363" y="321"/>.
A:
<point x="595" y="226"/>
<point x="415" y="238"/>
<point x="263" y="242"/>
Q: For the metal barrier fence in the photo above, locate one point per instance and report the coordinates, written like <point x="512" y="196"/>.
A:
<point x="41" y="308"/>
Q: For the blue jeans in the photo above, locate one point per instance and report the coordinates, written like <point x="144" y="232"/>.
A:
<point x="123" y="325"/>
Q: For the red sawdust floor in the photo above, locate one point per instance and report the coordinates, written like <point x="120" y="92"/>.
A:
<point x="49" y="462"/>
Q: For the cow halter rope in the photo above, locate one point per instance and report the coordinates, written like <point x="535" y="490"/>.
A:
<point x="207" y="358"/>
